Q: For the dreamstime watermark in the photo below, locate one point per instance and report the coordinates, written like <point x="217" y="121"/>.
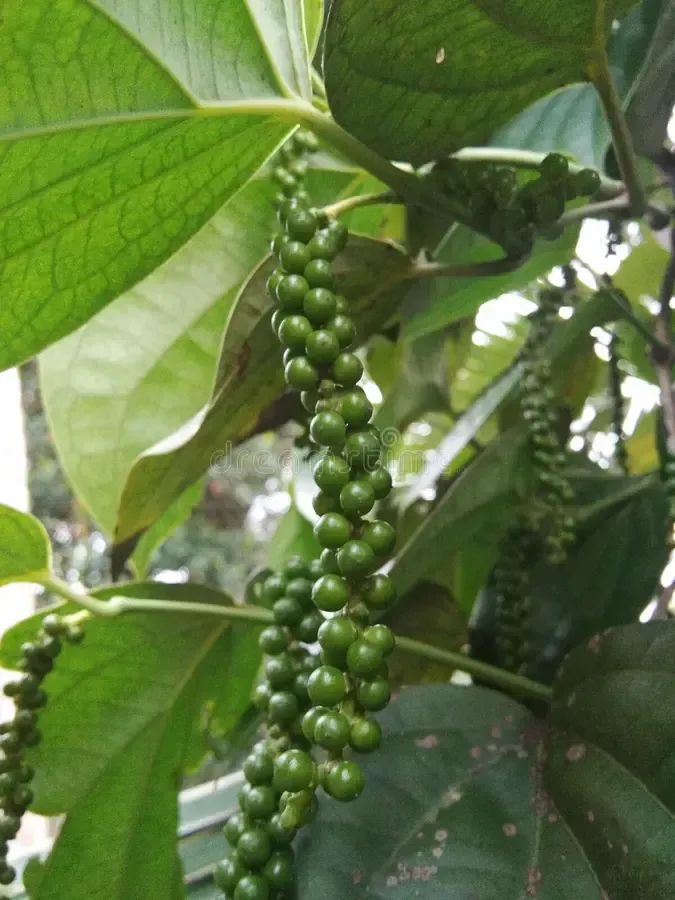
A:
<point x="239" y="459"/>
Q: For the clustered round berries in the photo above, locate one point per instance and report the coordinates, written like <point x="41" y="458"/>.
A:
<point x="318" y="710"/>
<point x="618" y="406"/>
<point x="22" y="733"/>
<point x="512" y="210"/>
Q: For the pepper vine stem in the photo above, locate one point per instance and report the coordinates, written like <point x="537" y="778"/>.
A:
<point x="663" y="361"/>
<point x="349" y="203"/>
<point x="121" y="605"/>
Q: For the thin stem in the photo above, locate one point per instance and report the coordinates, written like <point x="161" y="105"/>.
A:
<point x="604" y="209"/>
<point x="663" y="363"/>
<point x="317" y="85"/>
<point x="467" y="270"/>
<point x="529" y="159"/>
<point x="623" y="143"/>
<point x="120" y="605"/>
<point x="627" y="313"/>
<point x="350" y="203"/>
<point x="499" y="677"/>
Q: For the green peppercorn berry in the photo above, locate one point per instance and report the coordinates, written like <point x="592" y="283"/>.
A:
<point x="278" y="317"/>
<point x="279" y="834"/>
<point x="347" y="370"/>
<point x="273" y="283"/>
<point x="298" y="168"/>
<point x="284" y="178"/>
<point x="289" y="355"/>
<point x="291" y="292"/>
<point x="279" y="870"/>
<point x="355" y="559"/>
<point x="260" y="802"/>
<point x="344" y="781"/>
<point x="330" y="593"/>
<point x="355" y="408"/>
<point x="24" y="720"/>
<point x="309" y="720"/>
<point x="323" y="504"/>
<point x="363" y="658"/>
<point x="332" y="531"/>
<point x="318" y="272"/>
<point x="332" y="731"/>
<point x="327" y="686"/>
<point x="554" y="167"/>
<point x="294" y="771"/>
<point x="323" y="246"/>
<point x="301" y="225"/>
<point x="252" y="887"/>
<point x="279" y="671"/>
<point x="261" y="695"/>
<point x="235" y="826"/>
<point x="254" y="846"/>
<point x="328" y="429"/>
<point x="308" y="627"/>
<point x="339" y="233"/>
<point x="337" y="635"/>
<point x="294" y="331"/>
<point x="329" y="564"/>
<point x="273" y="640"/>
<point x="380" y="481"/>
<point x="300" y="200"/>
<point x="366" y="735"/>
<point x="362" y="450"/>
<point x="378" y="592"/>
<point x="294" y="257"/>
<point x="273" y="588"/>
<point x="9" y="827"/>
<point x="331" y="474"/>
<point x="228" y="873"/>
<point x="322" y="347"/>
<point x="319" y="306"/>
<point x="373" y="694"/>
<point x="341" y="305"/>
<point x="31" y="739"/>
<point x="34" y="699"/>
<point x="309" y="400"/>
<point x="300" y="687"/>
<point x="287" y="611"/>
<point x="381" y="637"/>
<point x="344" y="329"/>
<point x="315" y="569"/>
<point x="356" y="499"/>
<point x="379" y="535"/>
<point x="300" y="589"/>
<point x="10" y="743"/>
<point x="8" y="782"/>
<point x="586" y="183"/>
<point x="7" y="875"/>
<point x="282" y="707"/>
<point x="301" y="374"/>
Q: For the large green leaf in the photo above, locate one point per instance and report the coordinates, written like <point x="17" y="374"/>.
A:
<point x="571" y="120"/>
<point x="25" y="553"/>
<point x="623" y="522"/>
<point x="417" y="82"/>
<point x="123" y="708"/>
<point x="108" y="165"/>
<point x="451" y="299"/>
<point x="481" y="800"/>
<point x="250" y="376"/>
<point x="293" y="537"/>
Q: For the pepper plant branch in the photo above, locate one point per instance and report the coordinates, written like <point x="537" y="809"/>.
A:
<point x="350" y="203"/>
<point x="627" y="313"/>
<point x="120" y="605"/>
<point x="467" y="270"/>
<point x="663" y="361"/>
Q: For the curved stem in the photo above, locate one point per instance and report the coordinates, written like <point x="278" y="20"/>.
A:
<point x="529" y="159"/>
<point x="467" y="270"/>
<point x="350" y="203"/>
<point x="499" y="677"/>
<point x="120" y="605"/>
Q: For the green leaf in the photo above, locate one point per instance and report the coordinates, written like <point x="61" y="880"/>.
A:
<point x="482" y="800"/>
<point x="651" y="104"/>
<point x="477" y="506"/>
<point x="293" y="537"/>
<point x="622" y="521"/>
<point x="430" y="614"/>
<point x="250" y="377"/>
<point x="109" y="163"/>
<point x="25" y="554"/>
<point x="610" y="758"/>
<point x="571" y="121"/>
<point x="120" y="722"/>
<point x="416" y="83"/>
<point x="640" y="275"/>
<point x="451" y="299"/>
<point x="145" y="365"/>
<point x="313" y="13"/>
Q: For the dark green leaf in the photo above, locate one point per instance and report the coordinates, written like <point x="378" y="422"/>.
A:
<point x="417" y="82"/>
<point x="640" y="275"/>
<point x="250" y="377"/>
<point x="25" y="553"/>
<point x="429" y="614"/>
<point x="451" y="299"/>
<point x="108" y="167"/>
<point x="611" y="757"/>
<point x="121" y="720"/>
<point x="622" y="522"/>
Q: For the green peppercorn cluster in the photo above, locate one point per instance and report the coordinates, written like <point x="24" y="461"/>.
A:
<point x="22" y="733"/>
<point x="511" y="578"/>
<point x="317" y="710"/>
<point x="513" y="211"/>
<point x="618" y="406"/>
